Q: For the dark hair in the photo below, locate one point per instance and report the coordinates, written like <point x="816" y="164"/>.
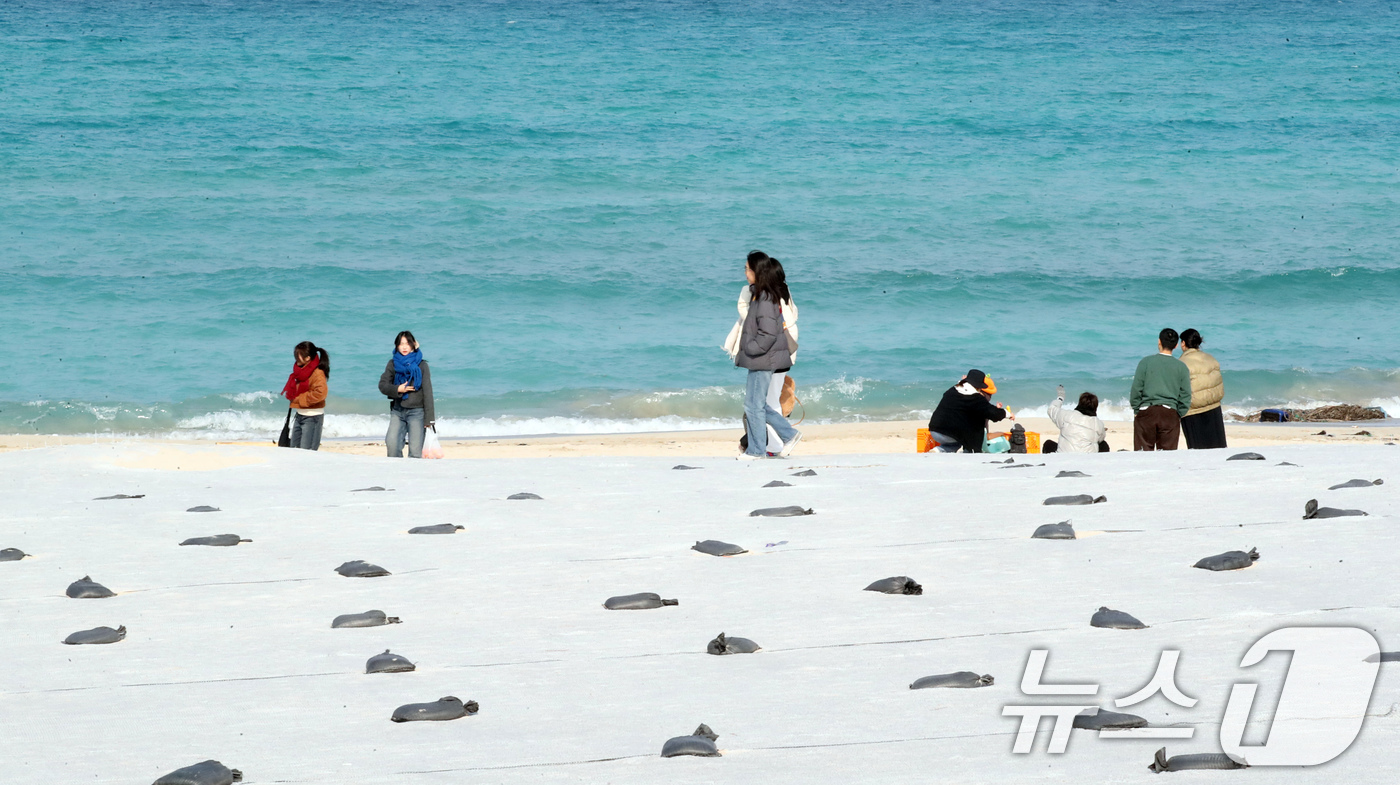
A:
<point x="405" y="334"/>
<point x="768" y="279"/>
<point x="1088" y="404"/>
<point x="1167" y="337"/>
<point x="1191" y="339"/>
<point x="756" y="255"/>
<point x="309" y="350"/>
<point x="781" y="278"/>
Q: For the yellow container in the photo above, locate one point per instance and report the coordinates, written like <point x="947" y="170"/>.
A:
<point x="922" y="440"/>
<point x="1032" y="442"/>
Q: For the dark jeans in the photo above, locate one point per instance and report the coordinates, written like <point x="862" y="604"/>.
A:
<point x="1204" y="431"/>
<point x="306" y="431"/>
<point x="1051" y="445"/>
<point x="1156" y="428"/>
<point x="405" y="425"/>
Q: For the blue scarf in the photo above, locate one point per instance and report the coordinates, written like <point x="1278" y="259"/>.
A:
<point x="406" y="369"/>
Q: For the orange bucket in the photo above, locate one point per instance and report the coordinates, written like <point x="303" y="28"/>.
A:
<point x="923" y="443"/>
<point x="1032" y="442"/>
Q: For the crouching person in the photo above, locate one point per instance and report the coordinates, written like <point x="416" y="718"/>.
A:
<point x="960" y="421"/>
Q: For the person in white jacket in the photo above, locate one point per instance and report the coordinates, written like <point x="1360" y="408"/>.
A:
<point x="731" y="344"/>
<point x="1081" y="430"/>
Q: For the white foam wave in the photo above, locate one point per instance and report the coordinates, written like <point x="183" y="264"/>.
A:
<point x="1109" y="411"/>
<point x="234" y="425"/>
<point x="849" y="389"/>
<point x="699" y="393"/>
<point x="1391" y="406"/>
<point x="1119" y="411"/>
<point x="256" y="396"/>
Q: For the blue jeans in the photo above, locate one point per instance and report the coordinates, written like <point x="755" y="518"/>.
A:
<point x="404" y="425"/>
<point x="757" y="412"/>
<point x="946" y="443"/>
<point x="306" y="431"/>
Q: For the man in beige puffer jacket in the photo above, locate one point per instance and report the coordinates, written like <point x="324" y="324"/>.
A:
<point x="1204" y="424"/>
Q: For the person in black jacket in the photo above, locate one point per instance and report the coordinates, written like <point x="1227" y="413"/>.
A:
<point x="960" y="421"/>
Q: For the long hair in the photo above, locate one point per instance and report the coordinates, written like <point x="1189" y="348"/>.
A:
<point x="309" y="350"/>
<point x="769" y="280"/>
<point x="405" y="334"/>
<point x="781" y="279"/>
<point x="1191" y="339"/>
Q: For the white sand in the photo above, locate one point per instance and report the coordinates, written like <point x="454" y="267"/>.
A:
<point x="863" y="438"/>
<point x="230" y="654"/>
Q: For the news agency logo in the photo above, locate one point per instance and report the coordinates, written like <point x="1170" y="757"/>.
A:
<point x="1320" y="709"/>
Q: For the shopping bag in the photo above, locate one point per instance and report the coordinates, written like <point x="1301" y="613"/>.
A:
<point x="432" y="448"/>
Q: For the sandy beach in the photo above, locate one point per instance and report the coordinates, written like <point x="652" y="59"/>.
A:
<point x="839" y="439"/>
<point x="229" y="653"/>
<point x="584" y="242"/>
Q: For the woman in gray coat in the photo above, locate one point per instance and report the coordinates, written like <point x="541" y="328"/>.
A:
<point x="763" y="349"/>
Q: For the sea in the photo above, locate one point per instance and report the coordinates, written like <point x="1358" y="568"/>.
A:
<point x="556" y="197"/>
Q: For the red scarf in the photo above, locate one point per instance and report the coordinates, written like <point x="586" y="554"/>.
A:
<point x="297" y="381"/>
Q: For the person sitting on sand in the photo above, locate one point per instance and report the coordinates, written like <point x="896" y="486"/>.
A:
<point x="1081" y="430"/>
<point x="960" y="421"/>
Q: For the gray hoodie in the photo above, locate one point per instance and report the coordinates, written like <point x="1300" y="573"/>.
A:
<point x="763" y="346"/>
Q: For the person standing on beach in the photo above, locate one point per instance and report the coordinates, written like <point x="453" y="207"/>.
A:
<point x="1204" y="425"/>
<point x="1160" y="397"/>
<point x="731" y="344"/>
<point x="764" y="349"/>
<point x="409" y="387"/>
<point x="960" y="420"/>
<point x="306" y="392"/>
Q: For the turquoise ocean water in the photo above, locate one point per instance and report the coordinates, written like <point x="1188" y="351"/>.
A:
<point x="556" y="197"/>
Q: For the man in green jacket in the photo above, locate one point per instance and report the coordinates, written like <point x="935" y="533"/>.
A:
<point x="1161" y="396"/>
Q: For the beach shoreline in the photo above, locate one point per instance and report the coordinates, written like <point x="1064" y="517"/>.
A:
<point x="864" y="438"/>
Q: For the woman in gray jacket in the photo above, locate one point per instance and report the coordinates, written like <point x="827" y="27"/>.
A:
<point x="763" y="349"/>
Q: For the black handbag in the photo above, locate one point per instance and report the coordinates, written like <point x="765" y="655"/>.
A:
<point x="285" y="440"/>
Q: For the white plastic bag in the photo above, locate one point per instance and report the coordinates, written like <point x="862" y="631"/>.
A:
<point x="432" y="448"/>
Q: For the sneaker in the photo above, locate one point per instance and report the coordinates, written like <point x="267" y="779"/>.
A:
<point x="743" y="456"/>
<point x="787" y="448"/>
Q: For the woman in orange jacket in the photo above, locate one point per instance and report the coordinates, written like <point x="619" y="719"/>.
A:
<point x="306" y="393"/>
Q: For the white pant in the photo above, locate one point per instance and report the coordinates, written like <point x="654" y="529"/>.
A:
<point x="775" y="391"/>
<point x="775" y="400"/>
